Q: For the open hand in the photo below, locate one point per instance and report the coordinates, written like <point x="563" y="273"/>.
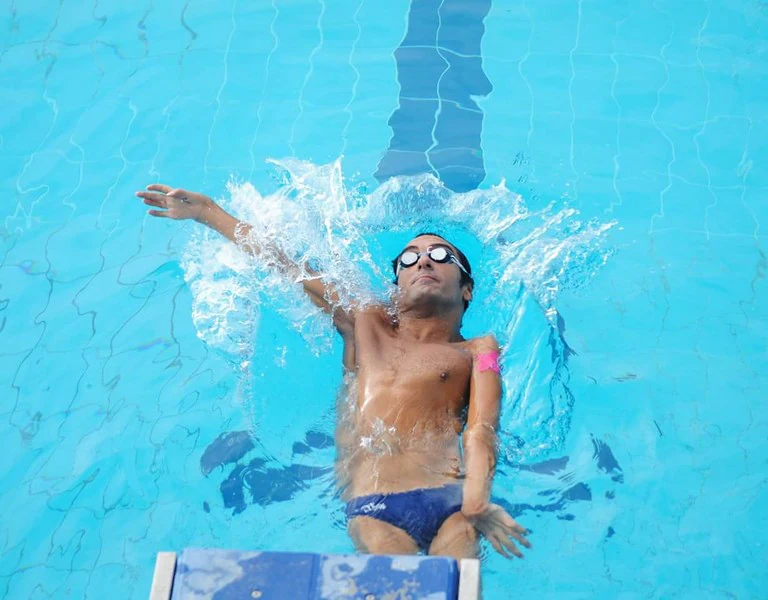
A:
<point x="498" y="527"/>
<point x="176" y="203"/>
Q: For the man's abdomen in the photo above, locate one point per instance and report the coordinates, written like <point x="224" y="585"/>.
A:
<point x="401" y="471"/>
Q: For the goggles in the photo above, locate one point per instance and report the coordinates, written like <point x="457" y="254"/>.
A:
<point x="439" y="254"/>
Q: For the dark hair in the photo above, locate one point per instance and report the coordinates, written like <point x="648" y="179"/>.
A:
<point x="465" y="277"/>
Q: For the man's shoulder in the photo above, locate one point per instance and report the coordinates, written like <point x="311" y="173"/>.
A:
<point x="374" y="313"/>
<point x="482" y="343"/>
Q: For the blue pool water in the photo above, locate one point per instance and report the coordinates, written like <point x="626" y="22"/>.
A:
<point x="151" y="400"/>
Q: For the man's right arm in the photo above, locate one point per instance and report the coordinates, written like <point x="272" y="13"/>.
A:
<point x="181" y="204"/>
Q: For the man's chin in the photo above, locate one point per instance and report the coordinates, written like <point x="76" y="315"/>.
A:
<point x="423" y="297"/>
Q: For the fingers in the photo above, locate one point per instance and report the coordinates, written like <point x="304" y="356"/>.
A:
<point x="497" y="545"/>
<point x="511" y="524"/>
<point x="510" y="545"/>
<point x="178" y="193"/>
<point x="151" y="195"/>
<point x="521" y="539"/>
<point x="162" y="200"/>
<point x="159" y="191"/>
<point x="504" y="546"/>
<point x="159" y="187"/>
<point x="519" y="533"/>
<point x="516" y="531"/>
<point x="159" y="200"/>
<point x="161" y="195"/>
<point x="501" y="533"/>
<point x="164" y="197"/>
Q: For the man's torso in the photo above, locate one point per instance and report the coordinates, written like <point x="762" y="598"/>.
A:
<point x="409" y="401"/>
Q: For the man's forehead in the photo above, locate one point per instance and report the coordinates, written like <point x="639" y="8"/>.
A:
<point x="425" y="241"/>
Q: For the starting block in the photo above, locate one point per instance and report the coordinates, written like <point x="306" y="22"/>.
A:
<point x="212" y="574"/>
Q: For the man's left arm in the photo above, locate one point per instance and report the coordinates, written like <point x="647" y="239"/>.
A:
<point x="480" y="452"/>
<point x="480" y="434"/>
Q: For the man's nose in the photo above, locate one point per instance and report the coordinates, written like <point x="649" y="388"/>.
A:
<point x="424" y="261"/>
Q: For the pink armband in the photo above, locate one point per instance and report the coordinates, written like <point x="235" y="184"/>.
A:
<point x="487" y="361"/>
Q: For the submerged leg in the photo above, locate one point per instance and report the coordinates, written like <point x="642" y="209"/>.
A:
<point x="377" y="537"/>
<point x="456" y="537"/>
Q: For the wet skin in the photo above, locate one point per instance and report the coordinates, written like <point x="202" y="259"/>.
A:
<point x="412" y="390"/>
<point x="412" y="385"/>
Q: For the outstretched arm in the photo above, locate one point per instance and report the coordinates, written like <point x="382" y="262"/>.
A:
<point x="178" y="204"/>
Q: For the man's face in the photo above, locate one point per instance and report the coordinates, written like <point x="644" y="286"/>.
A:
<point x="428" y="281"/>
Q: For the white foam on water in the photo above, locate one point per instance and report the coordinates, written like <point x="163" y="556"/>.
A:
<point x="528" y="257"/>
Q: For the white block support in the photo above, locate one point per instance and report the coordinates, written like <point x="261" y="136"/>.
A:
<point x="469" y="579"/>
<point x="162" y="580"/>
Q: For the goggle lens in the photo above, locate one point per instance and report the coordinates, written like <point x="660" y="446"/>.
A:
<point x="439" y="255"/>
<point x="408" y="259"/>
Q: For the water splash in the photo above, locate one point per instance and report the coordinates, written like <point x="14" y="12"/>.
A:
<point x="347" y="237"/>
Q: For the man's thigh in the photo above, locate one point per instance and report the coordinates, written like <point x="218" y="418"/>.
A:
<point x="378" y="537"/>
<point x="456" y="537"/>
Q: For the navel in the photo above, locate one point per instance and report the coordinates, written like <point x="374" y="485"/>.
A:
<point x="443" y="375"/>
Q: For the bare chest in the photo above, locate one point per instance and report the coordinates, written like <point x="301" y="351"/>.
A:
<point x="398" y="369"/>
<point x="427" y="363"/>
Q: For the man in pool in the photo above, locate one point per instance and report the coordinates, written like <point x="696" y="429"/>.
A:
<point x="420" y="389"/>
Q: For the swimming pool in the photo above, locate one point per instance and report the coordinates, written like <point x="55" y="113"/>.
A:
<point x="135" y="419"/>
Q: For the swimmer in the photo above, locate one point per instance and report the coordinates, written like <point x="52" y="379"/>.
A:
<point x="420" y="448"/>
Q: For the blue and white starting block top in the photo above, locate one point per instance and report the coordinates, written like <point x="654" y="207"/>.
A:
<point x="211" y="574"/>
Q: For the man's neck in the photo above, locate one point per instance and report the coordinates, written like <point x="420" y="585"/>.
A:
<point x="429" y="328"/>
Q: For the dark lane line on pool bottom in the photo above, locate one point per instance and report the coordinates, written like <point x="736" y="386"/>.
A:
<point x="437" y="126"/>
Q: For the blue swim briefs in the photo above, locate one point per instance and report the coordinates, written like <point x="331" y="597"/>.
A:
<point x="419" y="512"/>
